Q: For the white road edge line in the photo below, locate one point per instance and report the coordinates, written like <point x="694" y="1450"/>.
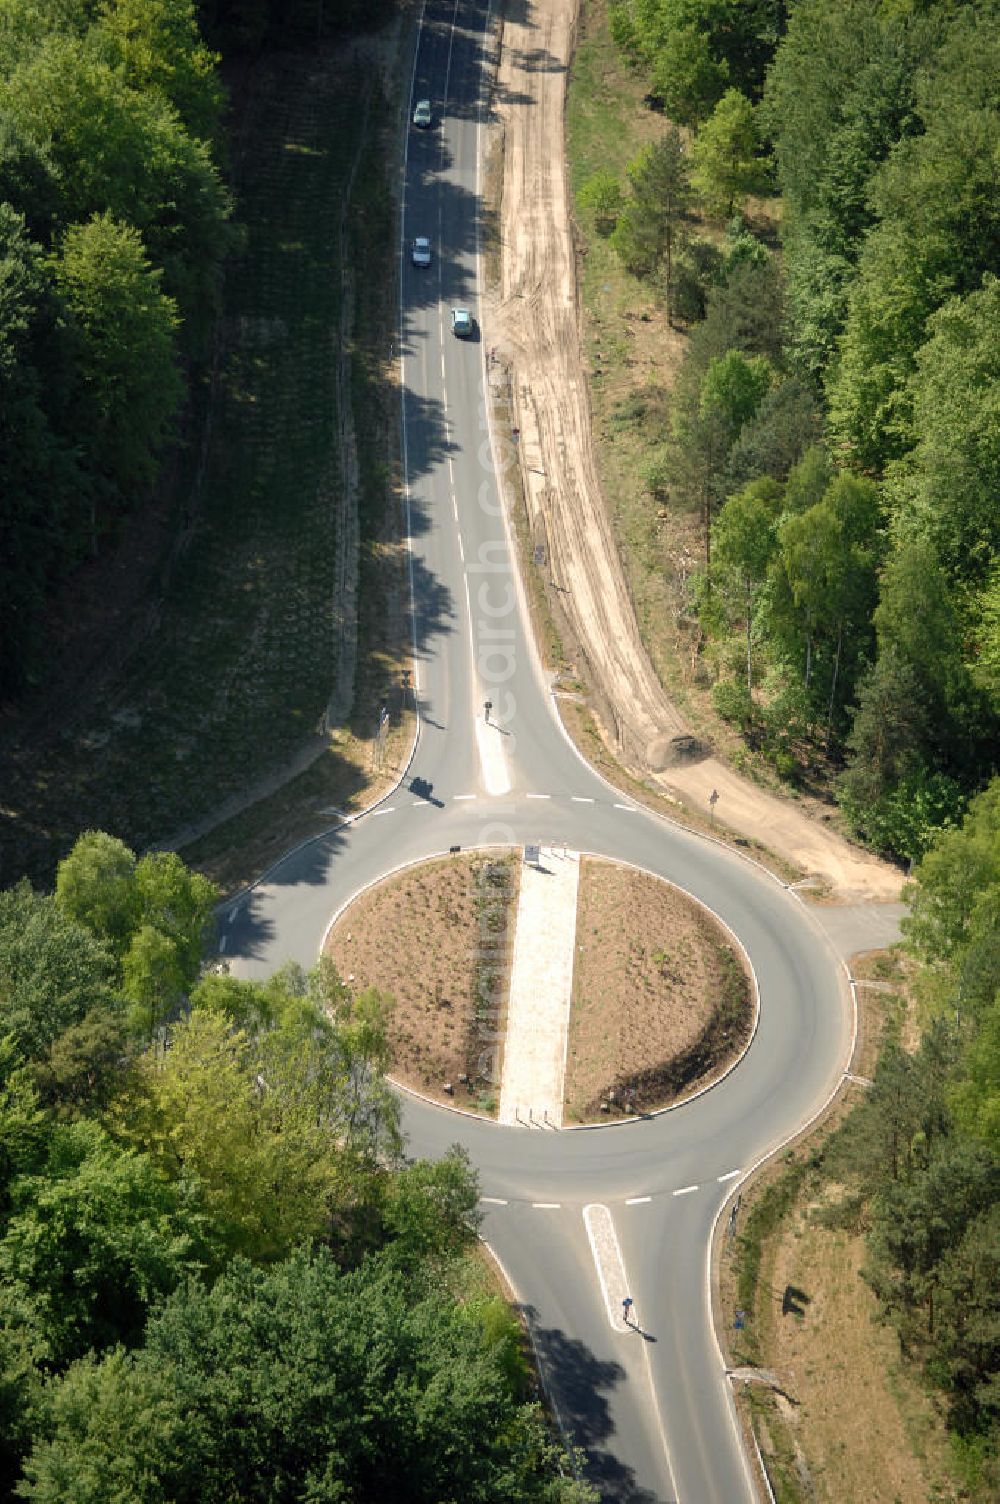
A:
<point x="686" y="1190"/>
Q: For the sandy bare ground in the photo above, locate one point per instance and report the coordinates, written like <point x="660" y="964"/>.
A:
<point x="534" y="323"/>
<point x="436" y="938"/>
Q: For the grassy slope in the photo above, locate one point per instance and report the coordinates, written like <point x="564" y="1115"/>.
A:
<point x="241" y="664"/>
<point x="852" y="1419"/>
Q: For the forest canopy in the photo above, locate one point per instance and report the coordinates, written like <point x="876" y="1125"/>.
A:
<point x="849" y="490"/>
<point x="220" y="1277"/>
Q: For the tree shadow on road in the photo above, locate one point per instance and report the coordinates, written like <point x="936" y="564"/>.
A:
<point x="578" y="1382"/>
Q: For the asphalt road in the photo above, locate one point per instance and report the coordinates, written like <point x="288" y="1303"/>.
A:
<point x="650" y="1404"/>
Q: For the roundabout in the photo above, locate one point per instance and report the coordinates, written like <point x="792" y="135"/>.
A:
<point x="584" y="1218"/>
<point x="504" y="972"/>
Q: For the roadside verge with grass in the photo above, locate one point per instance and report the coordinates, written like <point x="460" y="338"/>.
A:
<point x="836" y="1410"/>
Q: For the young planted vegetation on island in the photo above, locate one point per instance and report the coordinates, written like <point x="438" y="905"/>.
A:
<point x="437" y="939"/>
<point x="662" y="999"/>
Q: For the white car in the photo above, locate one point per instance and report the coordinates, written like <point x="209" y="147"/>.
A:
<point x="420" y="253"/>
<point x="422" y="115"/>
<point x="461" y="322"/>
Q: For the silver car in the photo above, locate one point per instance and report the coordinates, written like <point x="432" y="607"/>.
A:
<point x="461" y="323"/>
<point x="420" y="253"/>
<point x="422" y="115"/>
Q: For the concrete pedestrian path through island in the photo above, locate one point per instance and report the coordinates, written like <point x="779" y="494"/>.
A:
<point x="541" y="985"/>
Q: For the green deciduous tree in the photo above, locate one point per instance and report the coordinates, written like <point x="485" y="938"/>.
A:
<point x="154" y="915"/>
<point x="957" y="880"/>
<point x="726" y="161"/>
<point x="178" y="902"/>
<point x="40" y="477"/>
<point x="155" y="45"/>
<point x="285" y="1127"/>
<point x="839" y="95"/>
<point x="601" y="197"/>
<point x="917" y="706"/>
<point x="744" y="541"/>
<point x="122" y="328"/>
<point x="94" y="1238"/>
<point x="153" y="977"/>
<point x="691" y="48"/>
<point x="95" y="885"/>
<point x="308" y="1384"/>
<point x="976" y="1096"/>
<point x="685" y="76"/>
<point x="432" y="1207"/>
<point x="23" y="1127"/>
<point x="937" y="233"/>
<point x="946" y="486"/>
<point x="52" y="971"/>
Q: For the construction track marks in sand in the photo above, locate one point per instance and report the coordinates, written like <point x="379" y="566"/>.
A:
<point x="534" y="321"/>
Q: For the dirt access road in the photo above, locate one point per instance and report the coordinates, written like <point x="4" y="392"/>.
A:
<point x="533" y="320"/>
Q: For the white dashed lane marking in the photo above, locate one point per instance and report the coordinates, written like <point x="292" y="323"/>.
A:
<point x="463" y="796"/>
<point x="638" y="1200"/>
<point x="390" y="811"/>
<point x="580" y="799"/>
<point x="686" y="1190"/>
<point x="493" y="1201"/>
<point x="546" y="1206"/>
<point x="629" y="808"/>
<point x="538" y="796"/>
<point x="730" y="1175"/>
